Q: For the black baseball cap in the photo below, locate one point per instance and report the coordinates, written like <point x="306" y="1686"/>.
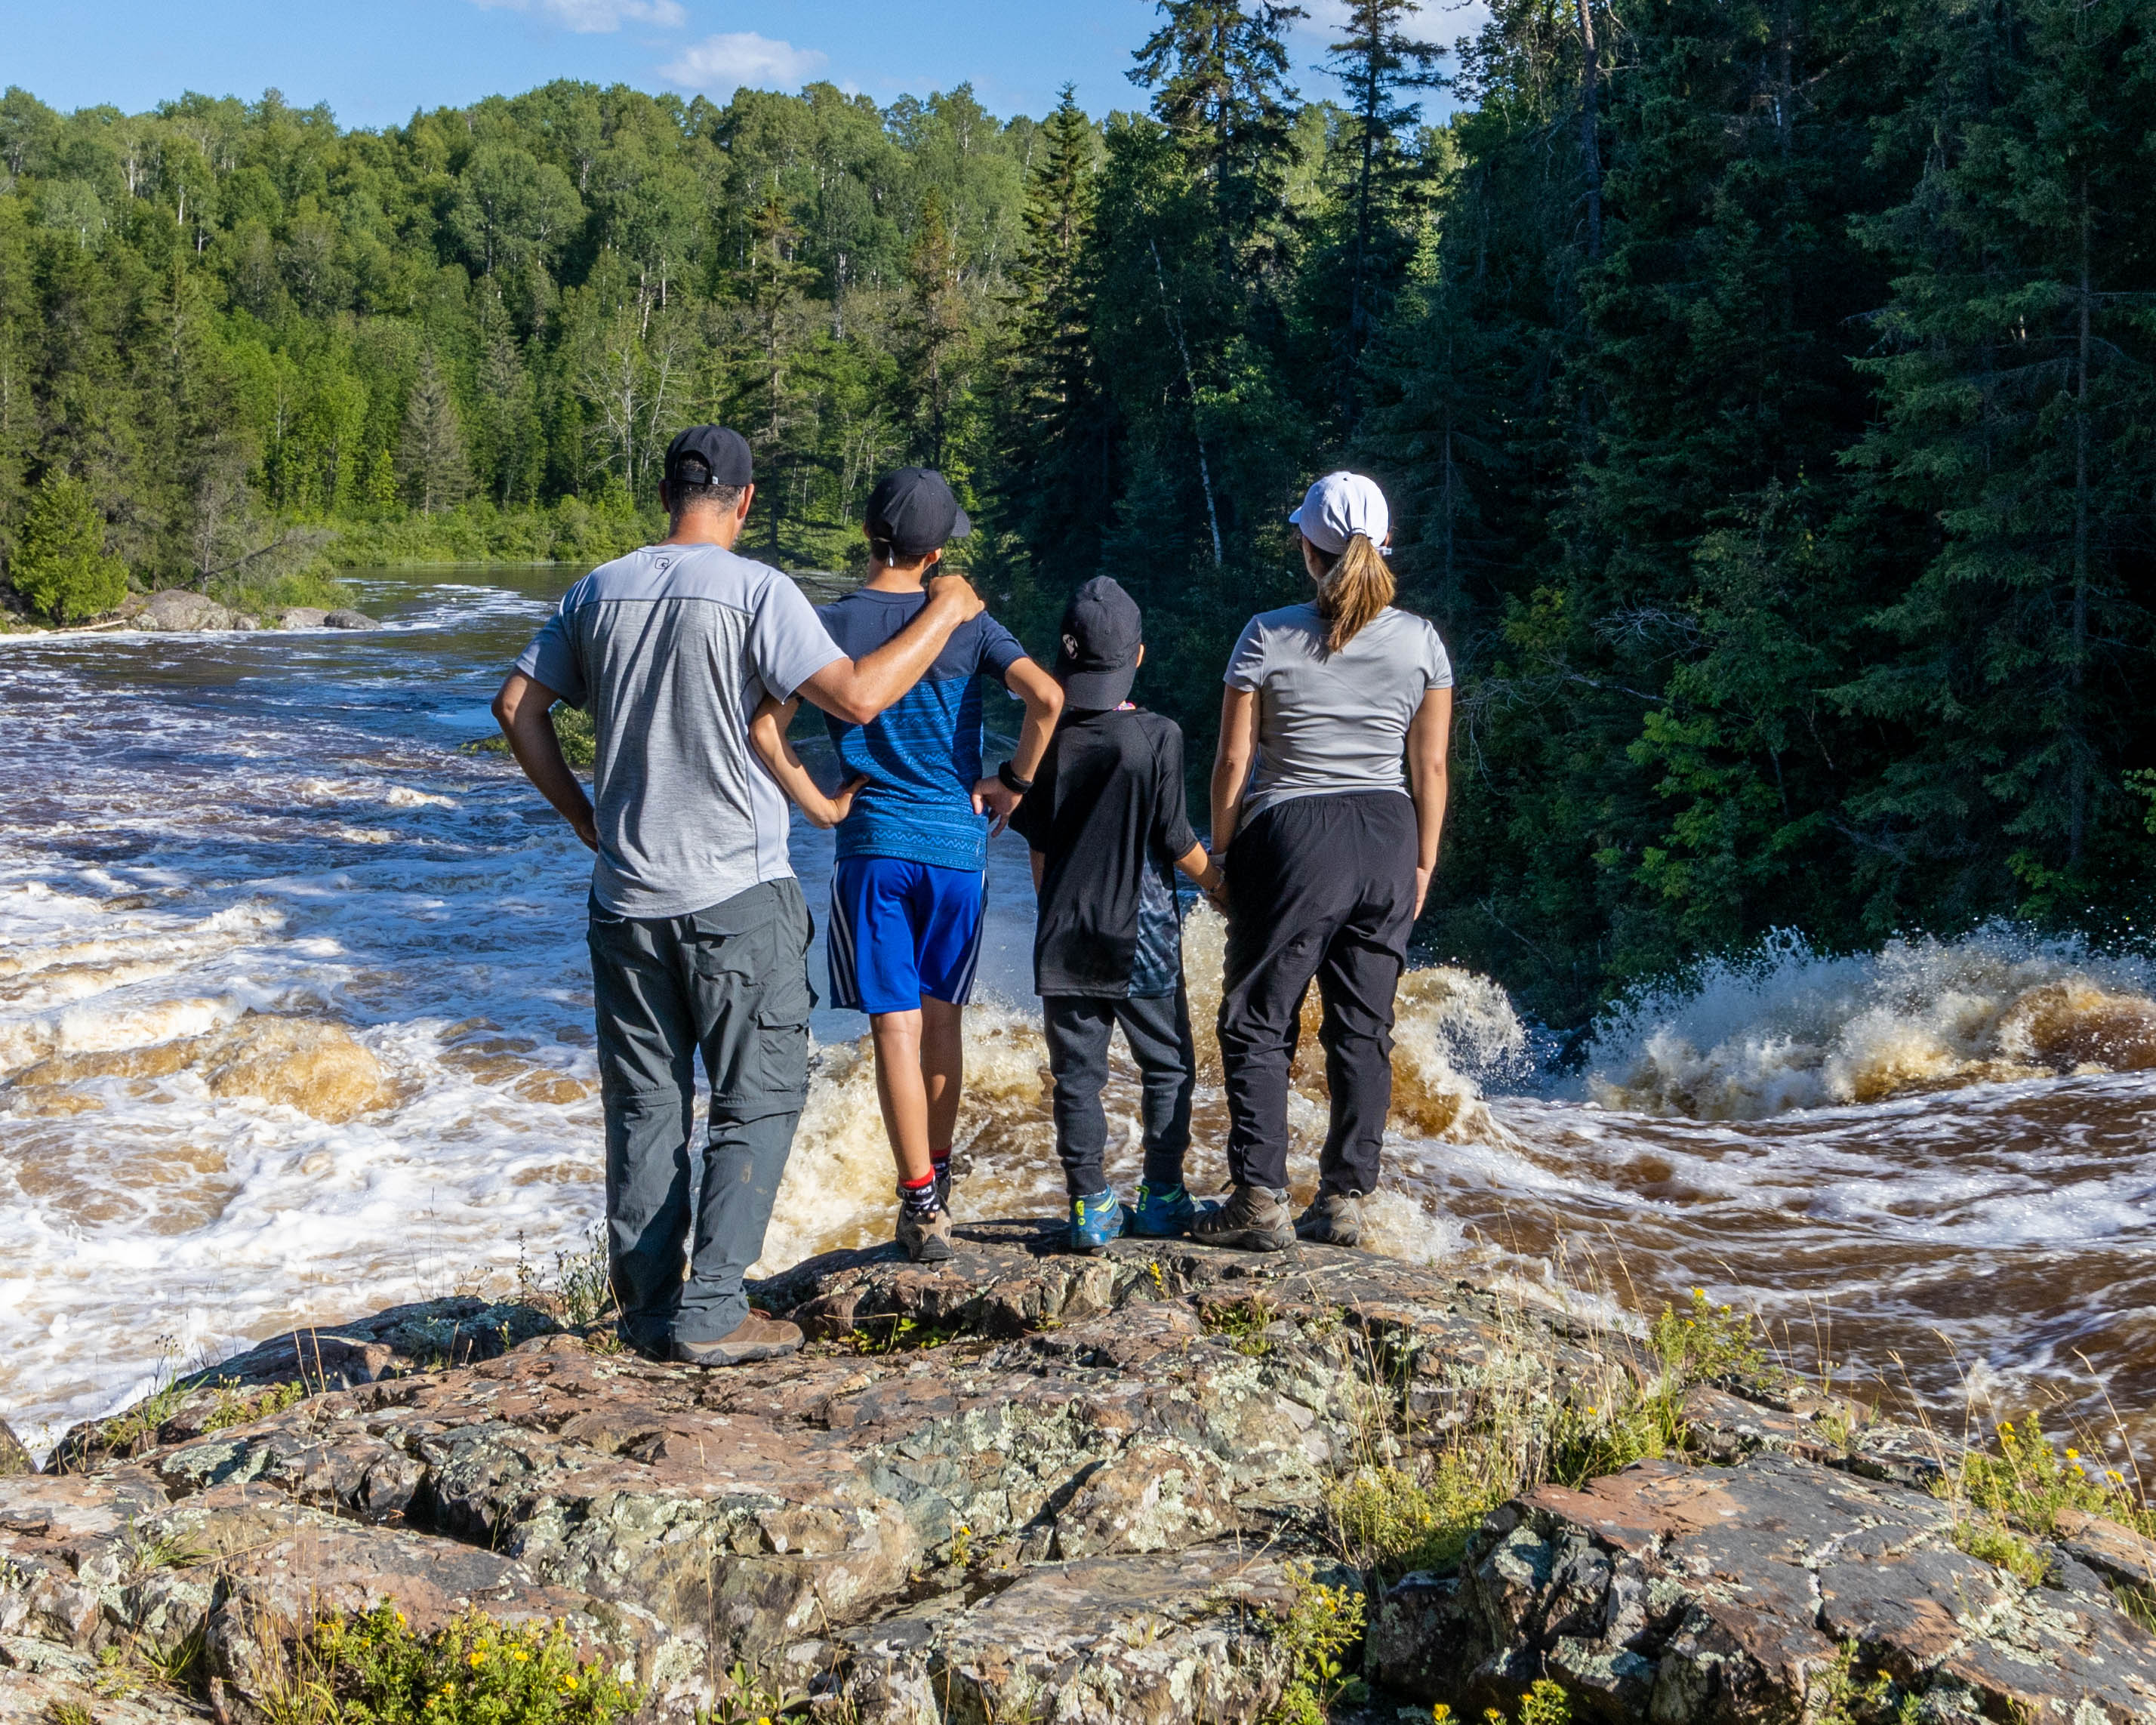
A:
<point x="709" y="455"/>
<point x="915" y="511"/>
<point x="1102" y="630"/>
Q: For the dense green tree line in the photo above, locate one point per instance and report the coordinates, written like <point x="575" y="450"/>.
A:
<point x="1764" y="387"/>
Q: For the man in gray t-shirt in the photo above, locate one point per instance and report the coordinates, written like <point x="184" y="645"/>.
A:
<point x="699" y="932"/>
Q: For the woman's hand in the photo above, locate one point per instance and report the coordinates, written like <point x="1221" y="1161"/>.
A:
<point x="1421" y="887"/>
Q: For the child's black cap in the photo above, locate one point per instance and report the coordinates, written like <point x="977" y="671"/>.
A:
<point x="1102" y="630"/>
<point x="914" y="511"/>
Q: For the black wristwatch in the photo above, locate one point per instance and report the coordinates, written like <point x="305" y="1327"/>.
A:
<point x="1011" y="781"/>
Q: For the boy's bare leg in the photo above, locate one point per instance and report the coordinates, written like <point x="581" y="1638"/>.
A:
<point x="942" y="1070"/>
<point x="902" y="1089"/>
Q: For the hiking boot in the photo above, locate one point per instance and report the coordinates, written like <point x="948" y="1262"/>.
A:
<point x="756" y="1336"/>
<point x="927" y="1238"/>
<point x="1255" y="1219"/>
<point x="1161" y="1213"/>
<point x="1333" y="1218"/>
<point x="1096" y="1219"/>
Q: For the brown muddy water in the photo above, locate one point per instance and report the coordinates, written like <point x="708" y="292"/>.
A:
<point x="294" y="1024"/>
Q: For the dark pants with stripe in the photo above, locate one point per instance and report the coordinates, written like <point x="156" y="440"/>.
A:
<point x="729" y="984"/>
<point x="1318" y="887"/>
<point x="1157" y="1028"/>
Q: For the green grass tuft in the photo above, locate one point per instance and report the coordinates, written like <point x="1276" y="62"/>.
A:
<point x="1318" y="1626"/>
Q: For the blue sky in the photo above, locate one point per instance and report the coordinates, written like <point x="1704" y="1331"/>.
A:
<point x="374" y="61"/>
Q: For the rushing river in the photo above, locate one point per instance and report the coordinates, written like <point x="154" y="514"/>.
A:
<point x="295" y="1023"/>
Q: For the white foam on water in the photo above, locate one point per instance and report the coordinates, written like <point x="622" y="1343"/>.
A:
<point x="1786" y="1027"/>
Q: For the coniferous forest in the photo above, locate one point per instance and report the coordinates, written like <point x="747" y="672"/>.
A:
<point x="1763" y="387"/>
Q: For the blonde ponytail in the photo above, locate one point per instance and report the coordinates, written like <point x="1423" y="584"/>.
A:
<point x="1358" y="585"/>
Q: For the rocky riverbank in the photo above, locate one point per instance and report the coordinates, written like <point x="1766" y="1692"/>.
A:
<point x="178" y="611"/>
<point x="1135" y="1487"/>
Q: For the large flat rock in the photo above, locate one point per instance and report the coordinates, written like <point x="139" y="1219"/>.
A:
<point x="1029" y="1485"/>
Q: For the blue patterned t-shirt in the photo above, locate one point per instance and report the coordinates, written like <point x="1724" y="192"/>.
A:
<point x="922" y="754"/>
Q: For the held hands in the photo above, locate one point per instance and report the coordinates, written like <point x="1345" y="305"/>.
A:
<point x="956" y="589"/>
<point x="1215" y="886"/>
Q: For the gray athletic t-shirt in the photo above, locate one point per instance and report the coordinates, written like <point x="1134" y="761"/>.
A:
<point x="671" y="649"/>
<point x="1338" y="722"/>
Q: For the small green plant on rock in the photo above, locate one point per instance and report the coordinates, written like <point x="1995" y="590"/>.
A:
<point x="236" y="1407"/>
<point x="2028" y="1482"/>
<point x="1243" y="1322"/>
<point x="375" y="1670"/>
<point x="1315" y="1629"/>
<point x="899" y="1334"/>
<point x="69" y="1712"/>
<point x="1391" y="1523"/>
<point x="1991" y="1543"/>
<point x="1840" y="1695"/>
<point x="752" y="1698"/>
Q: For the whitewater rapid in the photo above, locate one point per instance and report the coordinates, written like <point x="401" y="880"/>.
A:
<point x="295" y="1023"/>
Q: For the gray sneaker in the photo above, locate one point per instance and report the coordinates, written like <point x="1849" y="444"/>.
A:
<point x="927" y="1239"/>
<point x="1333" y="1218"/>
<point x="755" y="1337"/>
<point x="1255" y="1219"/>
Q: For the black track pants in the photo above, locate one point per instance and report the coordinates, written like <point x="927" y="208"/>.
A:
<point x="1318" y="887"/>
<point x="1159" y="1031"/>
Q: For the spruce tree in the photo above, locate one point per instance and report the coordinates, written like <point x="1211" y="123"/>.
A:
<point x="1377" y="60"/>
<point x="1055" y="434"/>
<point x="59" y="565"/>
<point x="430" y="457"/>
<point x="2019" y="390"/>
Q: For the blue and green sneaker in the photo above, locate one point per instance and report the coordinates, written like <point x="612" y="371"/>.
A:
<point x="1096" y="1219"/>
<point x="1162" y="1214"/>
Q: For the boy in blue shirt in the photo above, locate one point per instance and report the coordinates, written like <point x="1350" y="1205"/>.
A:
<point x="907" y="893"/>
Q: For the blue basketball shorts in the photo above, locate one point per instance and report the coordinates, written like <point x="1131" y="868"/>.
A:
<point x="901" y="931"/>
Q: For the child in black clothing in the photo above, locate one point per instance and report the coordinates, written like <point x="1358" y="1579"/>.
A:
<point x="1106" y="821"/>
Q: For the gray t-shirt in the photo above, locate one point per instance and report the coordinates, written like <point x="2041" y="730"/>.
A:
<point x="672" y="649"/>
<point x="1338" y="722"/>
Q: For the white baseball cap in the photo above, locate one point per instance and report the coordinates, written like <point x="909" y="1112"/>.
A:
<point x="1340" y="506"/>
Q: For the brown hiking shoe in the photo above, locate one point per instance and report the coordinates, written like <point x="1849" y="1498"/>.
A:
<point x="927" y="1239"/>
<point x="756" y="1336"/>
<point x="1255" y="1219"/>
<point x="1333" y="1218"/>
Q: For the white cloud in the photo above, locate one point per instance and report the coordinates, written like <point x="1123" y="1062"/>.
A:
<point x="595" y="18"/>
<point x="719" y="65"/>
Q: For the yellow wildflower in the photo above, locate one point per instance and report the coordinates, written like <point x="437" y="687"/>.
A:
<point x="520" y="1657"/>
<point x="2073" y="1455"/>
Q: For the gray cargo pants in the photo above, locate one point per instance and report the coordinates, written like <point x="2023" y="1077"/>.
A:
<point x="731" y="983"/>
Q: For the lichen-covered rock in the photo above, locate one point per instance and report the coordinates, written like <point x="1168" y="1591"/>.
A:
<point x="297" y="617"/>
<point x="1676" y="1593"/>
<point x="1025" y="1485"/>
<point x="1106" y="1641"/>
<point x="400" y="1341"/>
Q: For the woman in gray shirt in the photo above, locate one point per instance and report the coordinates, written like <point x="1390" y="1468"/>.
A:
<point x="1328" y="797"/>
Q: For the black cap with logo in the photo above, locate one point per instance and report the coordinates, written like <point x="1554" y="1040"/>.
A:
<point x="709" y="455"/>
<point x="1102" y="630"/>
<point x="914" y="511"/>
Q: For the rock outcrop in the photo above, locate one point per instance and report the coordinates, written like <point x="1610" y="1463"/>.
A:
<point x="1025" y="1485"/>
<point x="345" y="618"/>
<point x="175" y="610"/>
